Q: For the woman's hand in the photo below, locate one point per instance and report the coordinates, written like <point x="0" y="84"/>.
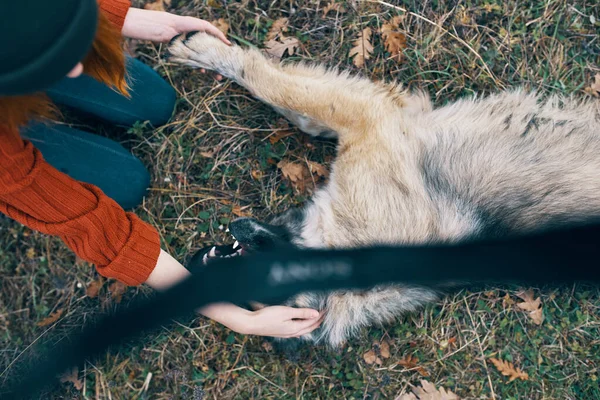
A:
<point x="275" y="321"/>
<point x="160" y="26"/>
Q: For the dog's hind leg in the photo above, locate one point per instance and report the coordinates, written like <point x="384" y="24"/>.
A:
<point x="320" y="101"/>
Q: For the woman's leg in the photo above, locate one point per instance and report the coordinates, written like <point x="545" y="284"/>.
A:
<point x="152" y="99"/>
<point x="92" y="159"/>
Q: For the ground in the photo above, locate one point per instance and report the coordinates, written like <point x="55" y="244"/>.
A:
<point x="217" y="159"/>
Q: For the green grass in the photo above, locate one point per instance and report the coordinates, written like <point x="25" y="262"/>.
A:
<point x="215" y="155"/>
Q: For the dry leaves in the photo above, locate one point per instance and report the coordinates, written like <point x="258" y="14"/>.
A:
<point x="374" y="356"/>
<point x="240" y="211"/>
<point x="158" y="5"/>
<point x="428" y="391"/>
<point x="508" y="369"/>
<point x="94" y="288"/>
<point x="52" y="318"/>
<point x="73" y="377"/>
<point x="394" y="41"/>
<point x="30" y="253"/>
<point x="370" y="358"/>
<point x="412" y="362"/>
<point x="363" y="48"/>
<point x="332" y="6"/>
<point x="533" y="306"/>
<point x="594" y="88"/>
<point x="278" y="135"/>
<point x="279" y="26"/>
<point x="302" y="176"/>
<point x="117" y="289"/>
<point x="278" y="48"/>
<point x="221" y="25"/>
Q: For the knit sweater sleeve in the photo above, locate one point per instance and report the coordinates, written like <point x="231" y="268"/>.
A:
<point x="115" y="10"/>
<point x="94" y="226"/>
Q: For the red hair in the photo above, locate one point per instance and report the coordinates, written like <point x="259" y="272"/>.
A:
<point x="105" y="62"/>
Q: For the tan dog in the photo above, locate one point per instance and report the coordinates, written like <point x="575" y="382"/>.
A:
<point x="408" y="173"/>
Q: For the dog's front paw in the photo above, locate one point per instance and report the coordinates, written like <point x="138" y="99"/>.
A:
<point x="201" y="50"/>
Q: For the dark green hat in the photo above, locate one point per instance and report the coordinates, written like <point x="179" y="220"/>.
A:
<point x="42" y="40"/>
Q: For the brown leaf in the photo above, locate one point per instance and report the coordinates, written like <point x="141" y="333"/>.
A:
<point x="268" y="347"/>
<point x="428" y="391"/>
<point x="302" y="176"/>
<point x="508" y="369"/>
<point x="52" y="318"/>
<point x="222" y="25"/>
<point x="117" y="289"/>
<point x="278" y="135"/>
<point x="371" y="358"/>
<point x="73" y="377"/>
<point x="394" y="41"/>
<point x="278" y="48"/>
<point x="594" y="88"/>
<point x="256" y="174"/>
<point x="279" y="26"/>
<point x="296" y="173"/>
<point x="158" y="5"/>
<point x="332" y="6"/>
<point x="318" y="169"/>
<point x="533" y="306"/>
<point x="384" y="349"/>
<point x="94" y="288"/>
<point x="363" y="48"/>
<point x="411" y="362"/>
<point x="239" y="211"/>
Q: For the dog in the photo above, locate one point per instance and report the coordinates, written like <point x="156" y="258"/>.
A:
<point x="409" y="173"/>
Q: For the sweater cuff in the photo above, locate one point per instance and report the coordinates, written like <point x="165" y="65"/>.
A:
<point x="115" y="11"/>
<point x="138" y="257"/>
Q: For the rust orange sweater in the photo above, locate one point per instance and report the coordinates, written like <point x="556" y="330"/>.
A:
<point x="94" y="226"/>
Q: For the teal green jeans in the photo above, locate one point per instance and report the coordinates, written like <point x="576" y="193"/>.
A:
<point x="95" y="159"/>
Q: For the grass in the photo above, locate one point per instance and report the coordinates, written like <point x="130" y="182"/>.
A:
<point x="215" y="158"/>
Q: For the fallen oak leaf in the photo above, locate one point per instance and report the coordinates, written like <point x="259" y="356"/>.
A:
<point x="394" y="41"/>
<point x="384" y="349"/>
<point x="508" y="369"/>
<point x="278" y="48"/>
<point x="362" y="49"/>
<point x="371" y="358"/>
<point x="279" y="26"/>
<point x="532" y="305"/>
<point x="594" y="88"/>
<point x="72" y="376"/>
<point x="411" y="362"/>
<point x="428" y="391"/>
<point x="52" y="318"/>
<point x="318" y="169"/>
<point x="278" y="135"/>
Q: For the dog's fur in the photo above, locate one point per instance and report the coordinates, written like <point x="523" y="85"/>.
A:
<point x="408" y="173"/>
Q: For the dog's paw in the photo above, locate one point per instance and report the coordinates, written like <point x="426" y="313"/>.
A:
<point x="200" y="50"/>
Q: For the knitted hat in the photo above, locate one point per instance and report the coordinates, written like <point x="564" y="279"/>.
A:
<point x="42" y="40"/>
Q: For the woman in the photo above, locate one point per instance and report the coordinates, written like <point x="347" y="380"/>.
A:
<point x="59" y="186"/>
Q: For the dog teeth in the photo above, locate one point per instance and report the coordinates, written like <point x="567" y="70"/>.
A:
<point x="236" y="244"/>
<point x="227" y="230"/>
<point x="205" y="259"/>
<point x="213" y="252"/>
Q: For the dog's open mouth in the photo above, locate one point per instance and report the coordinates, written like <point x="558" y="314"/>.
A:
<point x="212" y="253"/>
